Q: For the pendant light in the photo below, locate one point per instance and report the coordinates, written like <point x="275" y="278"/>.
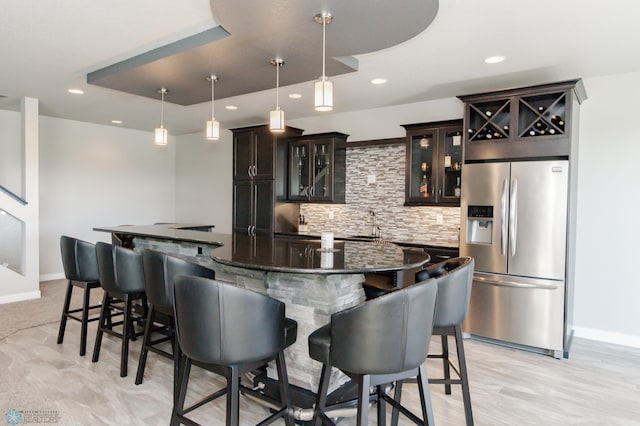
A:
<point x="276" y="117"/>
<point x="213" y="126"/>
<point x="323" y="88"/>
<point x="161" y="132"/>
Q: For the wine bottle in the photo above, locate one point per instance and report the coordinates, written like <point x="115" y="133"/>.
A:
<point x="532" y="132"/>
<point x="488" y="113"/>
<point x="506" y="128"/>
<point x="456" y="190"/>
<point x="541" y="109"/>
<point x="424" y="186"/>
<point x="540" y="125"/>
<point x="558" y="121"/>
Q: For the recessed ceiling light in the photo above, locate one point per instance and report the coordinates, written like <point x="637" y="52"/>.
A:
<point x="231" y="107"/>
<point x="379" y="81"/>
<point x="494" y="59"/>
<point x="76" y="91"/>
<point x="295" y="95"/>
<point x="116" y="121"/>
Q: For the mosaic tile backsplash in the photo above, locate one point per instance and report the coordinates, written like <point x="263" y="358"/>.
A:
<point x="385" y="197"/>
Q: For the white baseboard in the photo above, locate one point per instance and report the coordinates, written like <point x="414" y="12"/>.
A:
<point x="607" y="336"/>
<point x="52" y="277"/>
<point x="19" y="297"/>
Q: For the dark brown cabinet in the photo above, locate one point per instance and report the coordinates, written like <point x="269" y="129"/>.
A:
<point x="434" y="162"/>
<point x="254" y="178"/>
<point x="529" y="122"/>
<point x="317" y="166"/>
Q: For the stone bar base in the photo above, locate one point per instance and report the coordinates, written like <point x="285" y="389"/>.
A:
<point x="310" y="299"/>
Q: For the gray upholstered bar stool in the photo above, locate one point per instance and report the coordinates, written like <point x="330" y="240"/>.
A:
<point x="159" y="272"/>
<point x="378" y="342"/>
<point x="233" y="331"/>
<point x="122" y="279"/>
<point x="81" y="270"/>
<point x="454" y="278"/>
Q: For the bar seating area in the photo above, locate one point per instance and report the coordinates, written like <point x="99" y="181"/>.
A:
<point x="193" y="319"/>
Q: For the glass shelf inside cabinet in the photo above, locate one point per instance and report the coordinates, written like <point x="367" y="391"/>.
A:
<point x="422" y="147"/>
<point x="489" y="120"/>
<point x="452" y="163"/>
<point x="541" y="115"/>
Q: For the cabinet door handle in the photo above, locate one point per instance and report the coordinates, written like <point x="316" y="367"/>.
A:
<point x="255" y="170"/>
<point x="249" y="230"/>
<point x="249" y="171"/>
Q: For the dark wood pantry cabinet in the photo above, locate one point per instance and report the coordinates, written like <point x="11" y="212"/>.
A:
<point x="254" y="177"/>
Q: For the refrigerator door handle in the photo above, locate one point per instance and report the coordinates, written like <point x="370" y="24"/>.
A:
<point x="513" y="217"/>
<point x="484" y="280"/>
<point x="503" y="213"/>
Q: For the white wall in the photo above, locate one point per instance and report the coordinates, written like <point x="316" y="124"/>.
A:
<point x="608" y="229"/>
<point x="204" y="183"/>
<point x="94" y="175"/>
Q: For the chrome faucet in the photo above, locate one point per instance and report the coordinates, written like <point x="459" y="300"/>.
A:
<point x="375" y="229"/>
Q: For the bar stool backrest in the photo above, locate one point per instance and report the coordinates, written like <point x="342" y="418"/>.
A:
<point x="120" y="269"/>
<point x="221" y="324"/>
<point x="160" y="270"/>
<point x="79" y="259"/>
<point x="386" y="335"/>
<point x="454" y="277"/>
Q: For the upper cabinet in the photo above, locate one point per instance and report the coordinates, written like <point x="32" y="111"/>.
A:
<point x="537" y="121"/>
<point x="254" y="152"/>
<point x="317" y="166"/>
<point x="434" y="162"/>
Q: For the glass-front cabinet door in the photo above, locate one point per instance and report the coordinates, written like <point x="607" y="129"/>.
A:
<point x="310" y="176"/>
<point x="422" y="149"/>
<point x="321" y="170"/>
<point x="451" y="165"/>
<point x="299" y="171"/>
<point x="434" y="163"/>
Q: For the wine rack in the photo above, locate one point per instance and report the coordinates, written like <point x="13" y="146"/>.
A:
<point x="489" y="120"/>
<point x="529" y="122"/>
<point x="541" y="115"/>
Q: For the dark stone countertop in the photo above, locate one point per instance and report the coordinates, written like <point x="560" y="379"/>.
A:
<point x="282" y="254"/>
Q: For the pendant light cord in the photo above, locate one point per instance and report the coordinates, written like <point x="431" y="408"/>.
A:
<point x="278" y="63"/>
<point x="324" y="24"/>
<point x="212" y="98"/>
<point x="162" y="108"/>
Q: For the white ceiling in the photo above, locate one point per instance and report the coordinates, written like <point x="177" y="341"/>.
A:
<point x="48" y="47"/>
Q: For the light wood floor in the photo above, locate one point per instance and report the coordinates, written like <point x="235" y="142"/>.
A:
<point x="598" y="385"/>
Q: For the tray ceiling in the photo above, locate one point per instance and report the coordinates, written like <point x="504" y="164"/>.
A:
<point x="253" y="32"/>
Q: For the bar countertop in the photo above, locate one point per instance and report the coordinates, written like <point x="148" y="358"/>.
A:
<point x="295" y="255"/>
<point x="281" y="253"/>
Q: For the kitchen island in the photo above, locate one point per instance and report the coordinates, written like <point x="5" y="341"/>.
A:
<point x="313" y="283"/>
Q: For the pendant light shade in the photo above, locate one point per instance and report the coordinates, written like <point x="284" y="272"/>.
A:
<point x="323" y="88"/>
<point x="212" y="130"/>
<point x="161" y="134"/>
<point x="276" y="117"/>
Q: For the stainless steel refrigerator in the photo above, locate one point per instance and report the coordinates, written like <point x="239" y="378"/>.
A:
<point x="514" y="223"/>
